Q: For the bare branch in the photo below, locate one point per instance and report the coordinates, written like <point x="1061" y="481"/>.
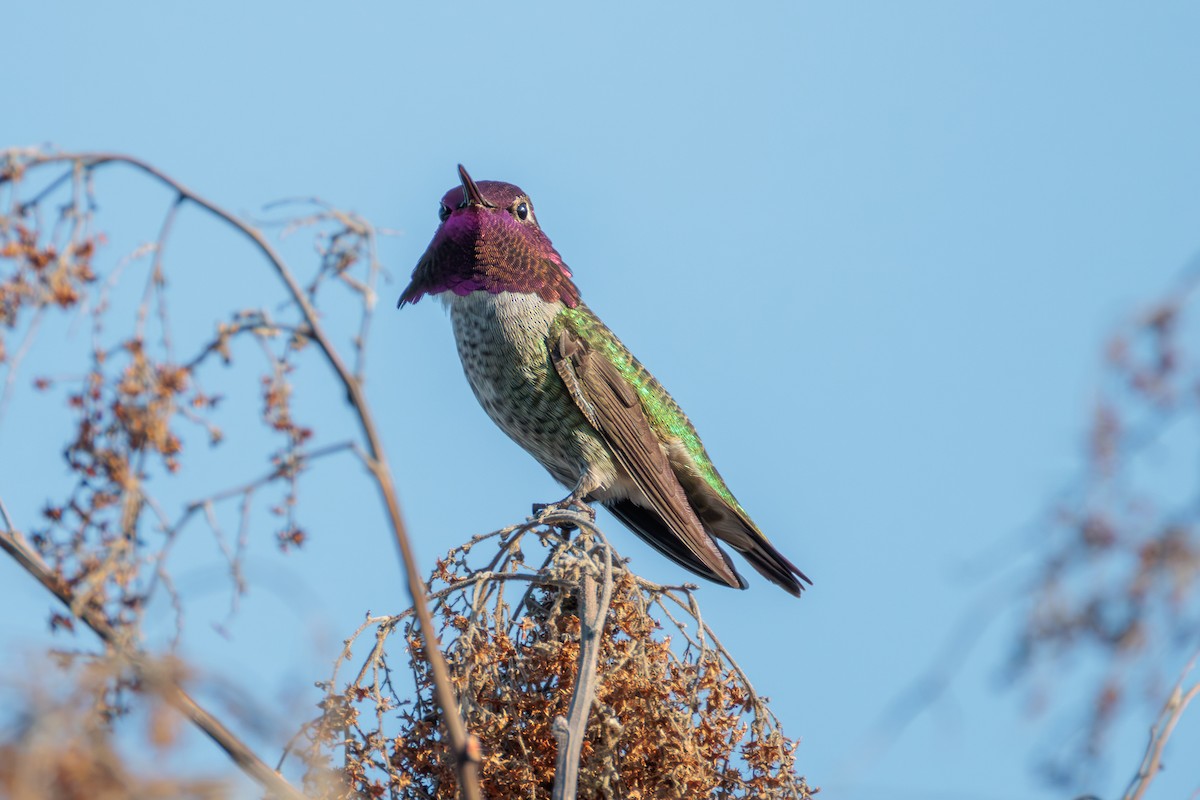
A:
<point x="1172" y="711"/>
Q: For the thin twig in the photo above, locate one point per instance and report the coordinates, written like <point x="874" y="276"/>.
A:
<point x="1172" y="711"/>
<point x="15" y="361"/>
<point x="8" y="523"/>
<point x="156" y="278"/>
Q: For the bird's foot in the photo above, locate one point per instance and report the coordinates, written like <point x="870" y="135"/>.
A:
<point x="568" y="503"/>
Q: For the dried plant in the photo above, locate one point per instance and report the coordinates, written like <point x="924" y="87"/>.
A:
<point x="663" y="712"/>
<point x="571" y="690"/>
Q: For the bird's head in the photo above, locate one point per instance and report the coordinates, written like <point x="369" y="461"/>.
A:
<point x="489" y="241"/>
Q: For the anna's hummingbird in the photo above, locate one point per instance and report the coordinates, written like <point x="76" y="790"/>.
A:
<point x="557" y="381"/>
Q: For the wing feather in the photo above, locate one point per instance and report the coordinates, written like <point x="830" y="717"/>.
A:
<point x="613" y="408"/>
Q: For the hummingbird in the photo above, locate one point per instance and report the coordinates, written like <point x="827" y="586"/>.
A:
<point x="554" y="378"/>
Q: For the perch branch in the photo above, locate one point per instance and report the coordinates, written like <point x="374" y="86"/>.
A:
<point x="569" y="732"/>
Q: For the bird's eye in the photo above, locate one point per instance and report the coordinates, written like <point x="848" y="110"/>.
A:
<point x="443" y="212"/>
<point x="522" y="211"/>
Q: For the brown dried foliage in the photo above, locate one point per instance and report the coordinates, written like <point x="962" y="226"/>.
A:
<point x="63" y="745"/>
<point x="672" y="716"/>
<point x="40" y="272"/>
<point x="126" y="410"/>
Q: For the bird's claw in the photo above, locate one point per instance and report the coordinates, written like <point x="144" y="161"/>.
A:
<point x="569" y="503"/>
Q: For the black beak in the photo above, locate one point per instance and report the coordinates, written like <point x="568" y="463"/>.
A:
<point x="470" y="190"/>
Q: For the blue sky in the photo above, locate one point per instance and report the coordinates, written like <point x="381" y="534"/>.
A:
<point x="873" y="249"/>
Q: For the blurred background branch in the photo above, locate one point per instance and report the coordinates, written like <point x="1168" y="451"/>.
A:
<point x="1164" y="726"/>
<point x="1108" y="575"/>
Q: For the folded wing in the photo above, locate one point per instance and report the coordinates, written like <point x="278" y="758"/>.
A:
<point x="613" y="408"/>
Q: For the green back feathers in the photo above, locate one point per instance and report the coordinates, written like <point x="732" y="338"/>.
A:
<point x="665" y="417"/>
